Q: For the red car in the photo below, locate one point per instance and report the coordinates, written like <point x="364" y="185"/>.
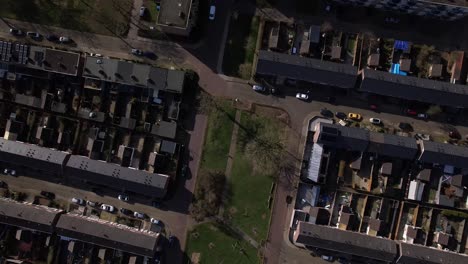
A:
<point x="411" y="112"/>
<point x="454" y="134"/>
<point x="373" y="107"/>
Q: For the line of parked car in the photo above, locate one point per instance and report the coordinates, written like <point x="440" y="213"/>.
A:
<point x="111" y="209"/>
<point x="38" y="37"/>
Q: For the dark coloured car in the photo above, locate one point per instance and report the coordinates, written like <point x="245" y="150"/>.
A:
<point x="150" y="55"/>
<point x="126" y="211"/>
<point x="34" y="35"/>
<point x="156" y="204"/>
<point x="52" y="37"/>
<point x="326" y="113"/>
<point x="411" y="112"/>
<point x="48" y="195"/>
<point x="3" y="184"/>
<point x="341" y="115"/>
<point x="172" y="240"/>
<point x="454" y="134"/>
<point x="16" y="32"/>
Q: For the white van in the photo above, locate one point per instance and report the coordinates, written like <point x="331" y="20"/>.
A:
<point x="212" y="12"/>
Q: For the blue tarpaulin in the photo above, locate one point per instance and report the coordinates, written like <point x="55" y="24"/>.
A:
<point x="401" y="45"/>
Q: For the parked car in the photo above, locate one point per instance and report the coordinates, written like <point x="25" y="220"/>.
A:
<point x="156" y="204"/>
<point x="328" y="258"/>
<point x="354" y="116"/>
<point x="329" y="99"/>
<point x="34" y="35"/>
<point x="52" y="37"/>
<point x="373" y="107"/>
<point x="64" y="40"/>
<point x="422" y="116"/>
<point x="142" y="11"/>
<point x="212" y="12"/>
<point x="340" y="115"/>
<point x="107" y="207"/>
<point x="326" y="113"/>
<point x="302" y="96"/>
<point x="123" y="197"/>
<point x="454" y="134"/>
<point x="343" y="122"/>
<point x="16" y="32"/>
<point x="405" y="126"/>
<point x="183" y="171"/>
<point x="92" y="204"/>
<point x="155" y="221"/>
<point x="150" y="55"/>
<point x="258" y="88"/>
<point x="137" y="52"/>
<point x="78" y="201"/>
<point x="126" y="211"/>
<point x="9" y="172"/>
<point x="172" y="240"/>
<point x="375" y="121"/>
<point x="49" y="195"/>
<point x="411" y="112"/>
<point x="290" y="82"/>
<point x="139" y="215"/>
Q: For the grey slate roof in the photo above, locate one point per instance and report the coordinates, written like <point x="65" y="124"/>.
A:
<point x="446" y="154"/>
<point x="129" y="73"/>
<point x="31" y="216"/>
<point x="117" y="177"/>
<point x="392" y="145"/>
<point x="417" y="254"/>
<point x="413" y="88"/>
<point x="32" y="156"/>
<point x="107" y="234"/>
<point x="334" y="239"/>
<point x="306" y="69"/>
<point x="343" y="137"/>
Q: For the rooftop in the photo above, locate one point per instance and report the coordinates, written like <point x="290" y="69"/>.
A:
<point x="18" y="152"/>
<point x="345" y="241"/>
<point x="31" y="216"/>
<point x="413" y="88"/>
<point x="175" y="13"/>
<point x="107" y="234"/>
<point x="442" y="153"/>
<point x="392" y="145"/>
<point x="411" y="253"/>
<point x="113" y="175"/>
<point x="306" y="69"/>
<point x="164" y="129"/>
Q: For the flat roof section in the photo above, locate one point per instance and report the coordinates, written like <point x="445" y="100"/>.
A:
<point x="29" y="216"/>
<point x="107" y="234"/>
<point x="413" y="88"/>
<point x="60" y="61"/>
<point x="306" y="69"/>
<point x="175" y="13"/>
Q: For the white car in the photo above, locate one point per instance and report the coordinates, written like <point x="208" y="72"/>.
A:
<point x="375" y="121"/>
<point x="108" y="208"/>
<point x="212" y="12"/>
<point x="302" y="96"/>
<point x="64" y="39"/>
<point x="123" y="197"/>
<point x="142" y="11"/>
<point x="155" y="221"/>
<point x="139" y="215"/>
<point x="78" y="201"/>
<point x="258" y="88"/>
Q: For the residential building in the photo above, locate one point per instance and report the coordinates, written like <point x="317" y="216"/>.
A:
<point x="411" y="88"/>
<point x="353" y="243"/>
<point x="29" y="216"/>
<point x="107" y="234"/>
<point x="177" y="17"/>
<point x="280" y="66"/>
<point x="441" y="9"/>
<point x="441" y="153"/>
<point x="413" y="253"/>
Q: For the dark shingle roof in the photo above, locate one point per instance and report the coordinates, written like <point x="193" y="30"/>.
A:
<point x="442" y="153"/>
<point x="411" y="253"/>
<point x="350" y="138"/>
<point x="413" y="88"/>
<point x="31" y="155"/>
<point x="107" y="234"/>
<point x="117" y="177"/>
<point x="392" y="145"/>
<point x="164" y="129"/>
<point x="347" y="242"/>
<point x="306" y="69"/>
<point x="31" y="216"/>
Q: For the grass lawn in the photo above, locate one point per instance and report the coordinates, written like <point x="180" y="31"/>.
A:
<point x="250" y="186"/>
<point x="218" y="137"/>
<point x="153" y="12"/>
<point x="240" y="46"/>
<point x="218" y="245"/>
<point x="109" y="17"/>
